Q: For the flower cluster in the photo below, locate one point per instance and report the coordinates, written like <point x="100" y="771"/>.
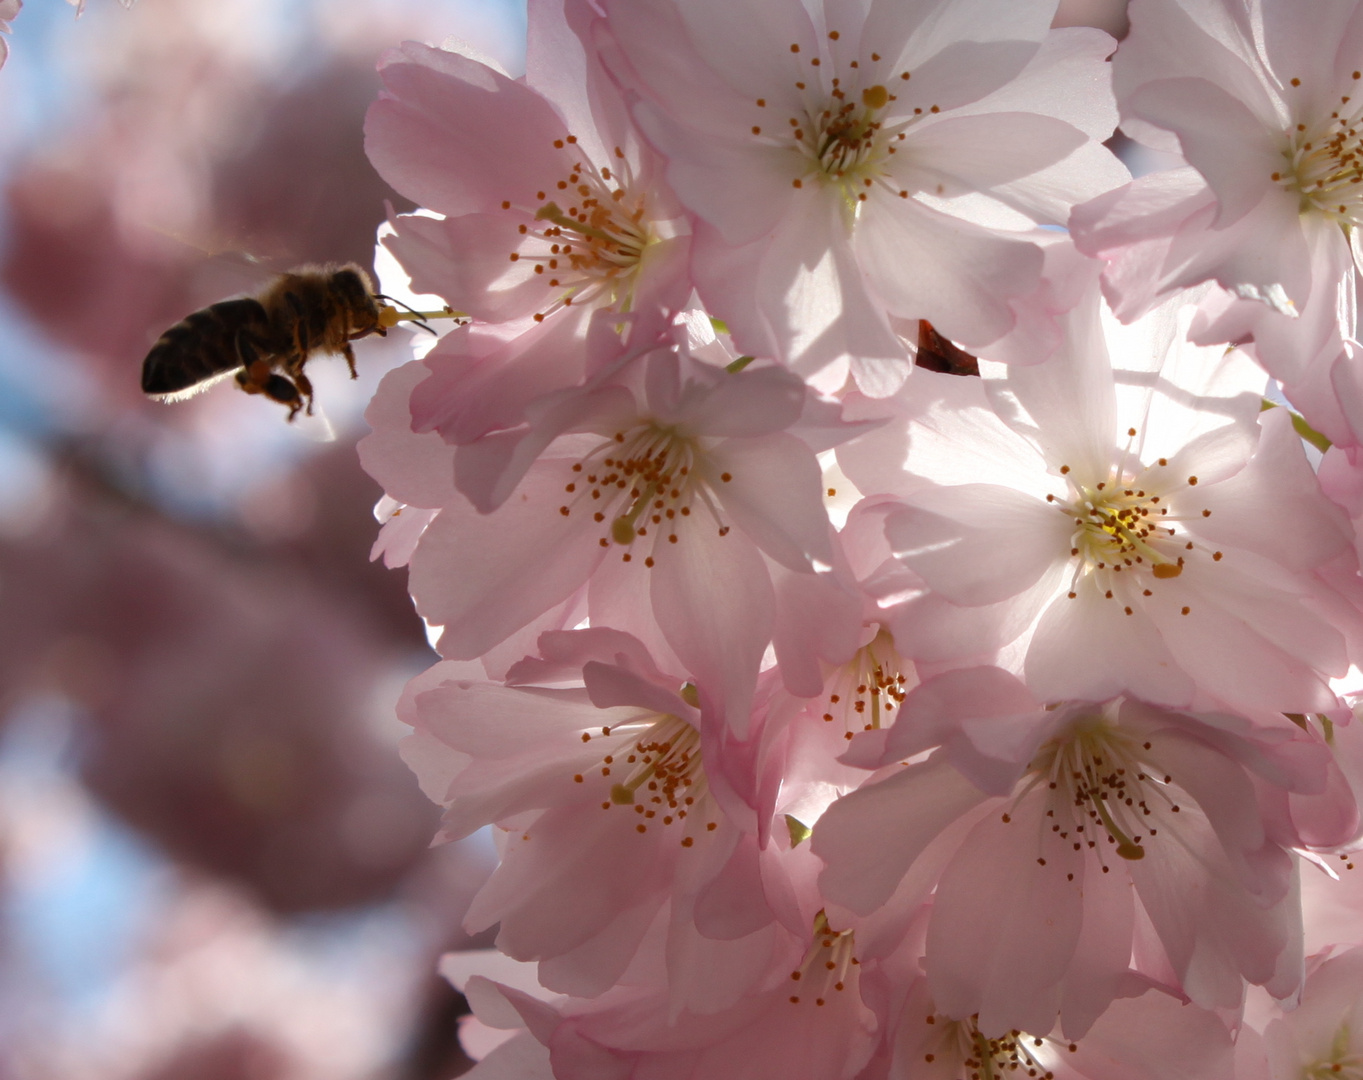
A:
<point x="885" y="618"/>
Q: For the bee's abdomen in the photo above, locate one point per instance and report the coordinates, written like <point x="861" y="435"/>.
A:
<point x="203" y="345"/>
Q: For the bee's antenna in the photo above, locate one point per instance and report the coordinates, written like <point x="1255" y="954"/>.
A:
<point x="419" y="317"/>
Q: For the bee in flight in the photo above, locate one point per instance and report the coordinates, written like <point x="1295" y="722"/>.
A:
<point x="266" y="340"/>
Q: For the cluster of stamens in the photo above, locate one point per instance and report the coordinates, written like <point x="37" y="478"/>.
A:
<point x="866" y="690"/>
<point x="1122" y="527"/>
<point x="840" y="134"/>
<point x="594" y="243"/>
<point x="1325" y="165"/>
<point x="824" y="971"/>
<point x="1102" y="789"/>
<point x="1342" y="1064"/>
<point x="643" y="483"/>
<point x="660" y="762"/>
<point x="981" y="1058"/>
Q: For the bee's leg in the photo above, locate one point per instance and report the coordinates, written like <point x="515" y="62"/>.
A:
<point x="305" y="386"/>
<point x="280" y="389"/>
<point x="302" y="337"/>
<point x="255" y="373"/>
<point x="349" y="355"/>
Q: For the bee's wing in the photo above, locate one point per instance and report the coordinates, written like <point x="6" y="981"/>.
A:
<point x="189" y="391"/>
<point x="202" y="348"/>
<point x="315" y="426"/>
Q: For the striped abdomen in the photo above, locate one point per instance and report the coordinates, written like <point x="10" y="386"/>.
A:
<point x="204" y="346"/>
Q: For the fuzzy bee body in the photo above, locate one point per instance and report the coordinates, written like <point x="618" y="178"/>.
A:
<point x="266" y="340"/>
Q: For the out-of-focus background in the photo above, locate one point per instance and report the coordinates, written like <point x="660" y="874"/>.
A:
<point x="213" y="865"/>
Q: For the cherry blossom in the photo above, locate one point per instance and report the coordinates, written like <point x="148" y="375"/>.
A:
<point x="1258" y="100"/>
<point x="542" y="206"/>
<point x="1150" y="1036"/>
<point x="1113" y="807"/>
<point x="670" y="490"/>
<point x="1321" y="1037"/>
<point x="806" y="1018"/>
<point x="1122" y="487"/>
<point x="602" y="788"/>
<point x="841" y="720"/>
<point x="848" y="137"/>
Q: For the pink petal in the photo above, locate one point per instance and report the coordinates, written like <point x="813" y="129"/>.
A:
<point x="1156" y="1035"/>
<point x="1303" y="530"/>
<point x="417" y="470"/>
<point x="1220" y="137"/>
<point x="1004" y="954"/>
<point x="815" y="296"/>
<point x="959" y="155"/>
<point x="1099" y="971"/>
<point x="1231" y="659"/>
<point x="467" y="261"/>
<point x="774" y="494"/>
<point x="950" y="537"/>
<point x="459" y="138"/>
<point x="1089" y="648"/>
<point x="1069" y="402"/>
<point x="1213" y="932"/>
<point x="1069" y="78"/>
<point x="748" y="43"/>
<point x="871" y="837"/>
<point x="579" y="872"/>
<point x="961" y="278"/>
<point x="713" y="598"/>
<point x="482" y="577"/>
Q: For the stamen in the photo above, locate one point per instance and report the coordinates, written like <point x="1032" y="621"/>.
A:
<point x="824" y="970"/>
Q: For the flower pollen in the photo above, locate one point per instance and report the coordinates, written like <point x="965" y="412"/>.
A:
<point x="1127" y="530"/>
<point x="1101" y="784"/>
<point x="840" y="135"/>
<point x="980" y="1058"/>
<point x="824" y="971"/>
<point x="865" y="691"/>
<point x="644" y="482"/>
<point x="663" y="779"/>
<point x="1343" y="1062"/>
<point x="589" y="248"/>
<point x="1325" y="165"/>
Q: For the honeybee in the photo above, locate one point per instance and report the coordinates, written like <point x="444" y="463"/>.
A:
<point x="266" y="340"/>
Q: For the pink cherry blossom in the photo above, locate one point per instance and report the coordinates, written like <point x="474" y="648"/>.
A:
<point x="1323" y="1036"/>
<point x="669" y="489"/>
<point x="542" y="207"/>
<point x="1117" y="827"/>
<point x="806" y="1018"/>
<point x="1130" y="539"/>
<point x="848" y="137"/>
<point x="1257" y="100"/>
<point x="602" y="788"/>
<point x="1150" y="1037"/>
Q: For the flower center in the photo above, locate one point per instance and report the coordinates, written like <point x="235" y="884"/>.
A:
<point x="824" y="970"/>
<point x="843" y="141"/>
<point x="1342" y="1064"/>
<point x="641" y="480"/>
<point x="1325" y="164"/>
<point x="1015" y="1054"/>
<point x="1101" y="786"/>
<point x="664" y="782"/>
<point x="840" y="133"/>
<point x="1126" y="525"/>
<point x="591" y="246"/>
<point x="866" y="690"/>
